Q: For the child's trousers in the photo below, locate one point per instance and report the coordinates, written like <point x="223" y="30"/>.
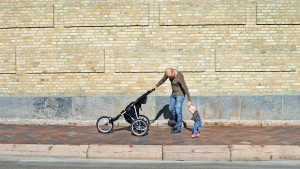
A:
<point x="197" y="125"/>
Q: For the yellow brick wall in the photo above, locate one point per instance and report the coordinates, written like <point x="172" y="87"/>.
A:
<point x="91" y="47"/>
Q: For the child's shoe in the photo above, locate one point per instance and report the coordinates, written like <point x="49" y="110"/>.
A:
<point x="197" y="134"/>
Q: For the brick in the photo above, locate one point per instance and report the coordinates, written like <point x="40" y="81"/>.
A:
<point x="202" y="12"/>
<point x="26" y="15"/>
<point x="279" y="12"/>
<point x="106" y="14"/>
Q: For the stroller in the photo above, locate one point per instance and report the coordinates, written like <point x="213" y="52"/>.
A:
<point x="139" y="123"/>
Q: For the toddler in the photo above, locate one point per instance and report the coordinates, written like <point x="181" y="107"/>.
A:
<point x="197" y="120"/>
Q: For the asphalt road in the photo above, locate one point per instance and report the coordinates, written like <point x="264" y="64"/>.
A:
<point x="67" y="163"/>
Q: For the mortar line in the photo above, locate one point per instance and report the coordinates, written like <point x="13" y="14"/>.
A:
<point x="159" y="13"/>
<point x="208" y="25"/>
<point x="230" y="152"/>
<point x="106" y="26"/>
<point x="156" y="72"/>
<point x="148" y="14"/>
<point x="7" y="73"/>
<point x="87" y="151"/>
<point x="245" y="12"/>
<point x="256" y="12"/>
<point x="278" y="24"/>
<point x="16" y="61"/>
<point x="104" y="61"/>
<point x="34" y="27"/>
<point x="286" y="71"/>
<point x="64" y="73"/>
<point x="53" y="22"/>
<point x="215" y="60"/>
<point x="114" y="62"/>
<point x="162" y="153"/>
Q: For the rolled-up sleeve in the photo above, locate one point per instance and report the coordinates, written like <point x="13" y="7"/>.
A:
<point x="162" y="80"/>
<point x="185" y="88"/>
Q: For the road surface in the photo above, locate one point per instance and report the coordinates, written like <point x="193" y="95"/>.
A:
<point x="69" y="163"/>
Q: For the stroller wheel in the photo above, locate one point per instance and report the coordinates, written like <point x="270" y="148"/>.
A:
<point x="146" y="119"/>
<point x="139" y="127"/>
<point x="105" y="124"/>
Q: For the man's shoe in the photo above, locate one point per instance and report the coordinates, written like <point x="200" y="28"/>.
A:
<point x="175" y="131"/>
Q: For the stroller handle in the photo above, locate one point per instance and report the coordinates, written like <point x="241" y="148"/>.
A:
<point x="150" y="91"/>
<point x="144" y="95"/>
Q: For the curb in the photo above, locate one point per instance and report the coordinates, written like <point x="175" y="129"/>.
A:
<point x="158" y="152"/>
<point x="157" y="123"/>
<point x="265" y="153"/>
<point x="78" y="151"/>
<point x="196" y="153"/>
<point x="128" y="152"/>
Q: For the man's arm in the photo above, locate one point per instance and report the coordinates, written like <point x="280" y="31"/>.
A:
<point x="185" y="88"/>
<point x="161" y="81"/>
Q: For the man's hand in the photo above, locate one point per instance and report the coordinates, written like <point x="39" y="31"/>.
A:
<point x="189" y="103"/>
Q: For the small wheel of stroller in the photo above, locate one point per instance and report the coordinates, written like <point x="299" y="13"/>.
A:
<point x="105" y="124"/>
<point x="146" y="119"/>
<point x="139" y="127"/>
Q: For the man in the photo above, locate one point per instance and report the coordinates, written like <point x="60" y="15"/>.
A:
<point x="179" y="90"/>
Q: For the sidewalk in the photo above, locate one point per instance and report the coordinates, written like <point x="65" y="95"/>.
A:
<point x="214" y="143"/>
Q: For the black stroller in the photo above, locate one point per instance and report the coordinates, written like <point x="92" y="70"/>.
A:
<point x="139" y="123"/>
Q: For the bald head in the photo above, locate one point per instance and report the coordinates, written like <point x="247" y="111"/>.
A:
<point x="170" y="72"/>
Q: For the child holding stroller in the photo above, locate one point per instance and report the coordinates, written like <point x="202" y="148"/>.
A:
<point x="197" y="120"/>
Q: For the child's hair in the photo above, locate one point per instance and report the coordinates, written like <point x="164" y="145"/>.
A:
<point x="192" y="109"/>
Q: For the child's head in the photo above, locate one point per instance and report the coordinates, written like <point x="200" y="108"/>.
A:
<point x="192" y="109"/>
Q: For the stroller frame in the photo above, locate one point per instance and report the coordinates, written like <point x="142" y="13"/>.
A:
<point x="139" y="123"/>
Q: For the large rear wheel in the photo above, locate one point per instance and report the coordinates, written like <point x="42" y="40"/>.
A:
<point x="105" y="124"/>
<point x="146" y="119"/>
<point x="139" y="127"/>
